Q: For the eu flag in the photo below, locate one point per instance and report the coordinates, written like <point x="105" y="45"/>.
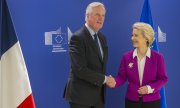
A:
<point x="147" y="18"/>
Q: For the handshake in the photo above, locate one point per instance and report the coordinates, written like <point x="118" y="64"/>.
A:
<point x="110" y="82"/>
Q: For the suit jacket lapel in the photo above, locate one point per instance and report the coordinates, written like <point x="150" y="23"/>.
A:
<point x="92" y="43"/>
<point x="136" y="69"/>
<point x="104" y="49"/>
<point x="146" y="68"/>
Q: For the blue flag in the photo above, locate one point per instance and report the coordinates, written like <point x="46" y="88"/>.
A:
<point x="147" y="18"/>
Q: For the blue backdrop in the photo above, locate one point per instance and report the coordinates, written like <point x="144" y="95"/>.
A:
<point x="48" y="71"/>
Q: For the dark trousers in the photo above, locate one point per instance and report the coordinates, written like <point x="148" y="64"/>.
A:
<point x="98" y="105"/>
<point x="140" y="104"/>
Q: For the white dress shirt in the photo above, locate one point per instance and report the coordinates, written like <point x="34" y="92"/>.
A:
<point x="141" y="65"/>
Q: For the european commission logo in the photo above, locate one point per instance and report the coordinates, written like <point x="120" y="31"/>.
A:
<point x="161" y="35"/>
<point x="58" y="40"/>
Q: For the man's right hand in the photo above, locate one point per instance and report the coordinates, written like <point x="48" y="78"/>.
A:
<point x="110" y="82"/>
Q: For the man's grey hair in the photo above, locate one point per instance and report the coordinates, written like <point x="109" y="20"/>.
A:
<point x="92" y="5"/>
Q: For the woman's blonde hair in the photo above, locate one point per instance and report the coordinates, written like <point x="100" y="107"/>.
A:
<point x="147" y="31"/>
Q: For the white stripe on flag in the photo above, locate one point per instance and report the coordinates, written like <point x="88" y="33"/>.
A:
<point x="15" y="85"/>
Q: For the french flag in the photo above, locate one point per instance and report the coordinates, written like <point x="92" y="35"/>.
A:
<point x="15" y="88"/>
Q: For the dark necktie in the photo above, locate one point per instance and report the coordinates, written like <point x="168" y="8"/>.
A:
<point x="97" y="44"/>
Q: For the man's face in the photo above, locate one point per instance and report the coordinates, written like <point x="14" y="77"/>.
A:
<point x="95" y="19"/>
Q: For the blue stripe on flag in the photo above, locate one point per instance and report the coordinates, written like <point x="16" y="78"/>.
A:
<point x="7" y="32"/>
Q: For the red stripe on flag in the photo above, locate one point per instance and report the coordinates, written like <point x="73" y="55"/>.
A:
<point x="28" y="102"/>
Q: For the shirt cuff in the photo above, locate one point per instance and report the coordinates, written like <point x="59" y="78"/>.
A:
<point x="105" y="80"/>
<point x="150" y="90"/>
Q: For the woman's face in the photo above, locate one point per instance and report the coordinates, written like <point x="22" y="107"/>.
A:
<point x="138" y="39"/>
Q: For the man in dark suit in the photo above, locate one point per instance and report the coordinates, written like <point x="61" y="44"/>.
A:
<point x="88" y="54"/>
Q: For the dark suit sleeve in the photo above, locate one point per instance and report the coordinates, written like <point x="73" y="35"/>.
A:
<point x="79" y="63"/>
